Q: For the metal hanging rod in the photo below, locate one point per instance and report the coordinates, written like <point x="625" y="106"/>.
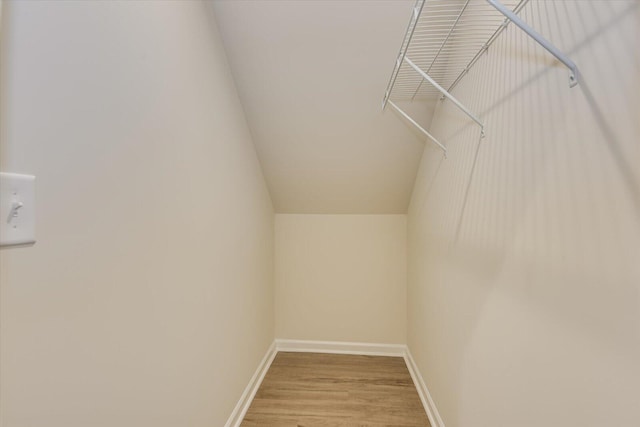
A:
<point x="574" y="74"/>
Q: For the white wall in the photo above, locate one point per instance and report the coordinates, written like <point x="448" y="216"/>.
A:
<point x="148" y="298"/>
<point x="341" y="277"/>
<point x="524" y="280"/>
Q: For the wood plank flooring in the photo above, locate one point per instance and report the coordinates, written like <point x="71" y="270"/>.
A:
<point x="312" y="389"/>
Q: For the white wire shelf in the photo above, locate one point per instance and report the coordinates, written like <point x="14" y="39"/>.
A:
<point x="444" y="40"/>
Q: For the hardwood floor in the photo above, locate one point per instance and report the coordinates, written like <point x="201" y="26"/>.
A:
<point x="312" y="389"/>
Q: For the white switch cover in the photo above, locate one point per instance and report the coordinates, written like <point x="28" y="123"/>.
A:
<point x="17" y="209"/>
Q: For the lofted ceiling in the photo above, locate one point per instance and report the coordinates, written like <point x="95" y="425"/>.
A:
<point x="311" y="76"/>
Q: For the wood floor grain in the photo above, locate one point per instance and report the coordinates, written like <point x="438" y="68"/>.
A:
<point x="312" y="389"/>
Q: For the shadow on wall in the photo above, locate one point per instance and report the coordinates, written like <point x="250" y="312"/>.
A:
<point x="545" y="210"/>
<point x="611" y="138"/>
<point x="507" y="101"/>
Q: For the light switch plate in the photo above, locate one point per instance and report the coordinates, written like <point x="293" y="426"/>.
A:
<point x="17" y="209"/>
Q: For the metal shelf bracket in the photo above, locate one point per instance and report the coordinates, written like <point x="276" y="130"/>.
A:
<point x="446" y="94"/>
<point x="420" y="128"/>
<point x="574" y="75"/>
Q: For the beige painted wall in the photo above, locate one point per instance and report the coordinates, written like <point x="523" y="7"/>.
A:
<point x="524" y="248"/>
<point x="341" y="277"/>
<point x="148" y="298"/>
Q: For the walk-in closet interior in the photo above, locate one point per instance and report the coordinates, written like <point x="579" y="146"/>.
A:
<point x="320" y="213"/>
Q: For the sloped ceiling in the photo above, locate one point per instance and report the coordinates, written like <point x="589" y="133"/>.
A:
<point x="311" y="76"/>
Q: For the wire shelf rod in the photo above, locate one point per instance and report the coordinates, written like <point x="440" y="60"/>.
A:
<point x="461" y="52"/>
<point x="488" y="14"/>
<point x="434" y="31"/>
<point x="417" y="10"/>
<point x="486" y="46"/>
<point x="437" y="28"/>
<point x="460" y="41"/>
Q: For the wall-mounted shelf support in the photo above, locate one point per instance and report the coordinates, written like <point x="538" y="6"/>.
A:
<point x="446" y="94"/>
<point x="573" y="68"/>
<point x="420" y="128"/>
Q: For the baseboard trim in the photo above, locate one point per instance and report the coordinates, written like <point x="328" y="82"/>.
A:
<point x="334" y="347"/>
<point x="341" y="347"/>
<point x="252" y="388"/>
<point x="423" y="391"/>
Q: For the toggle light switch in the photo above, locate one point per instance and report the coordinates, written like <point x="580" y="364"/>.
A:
<point x="17" y="209"/>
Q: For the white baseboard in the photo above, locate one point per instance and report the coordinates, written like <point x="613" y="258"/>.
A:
<point x="423" y="391"/>
<point x="334" y="347"/>
<point x="250" y="391"/>
<point x="340" y="347"/>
